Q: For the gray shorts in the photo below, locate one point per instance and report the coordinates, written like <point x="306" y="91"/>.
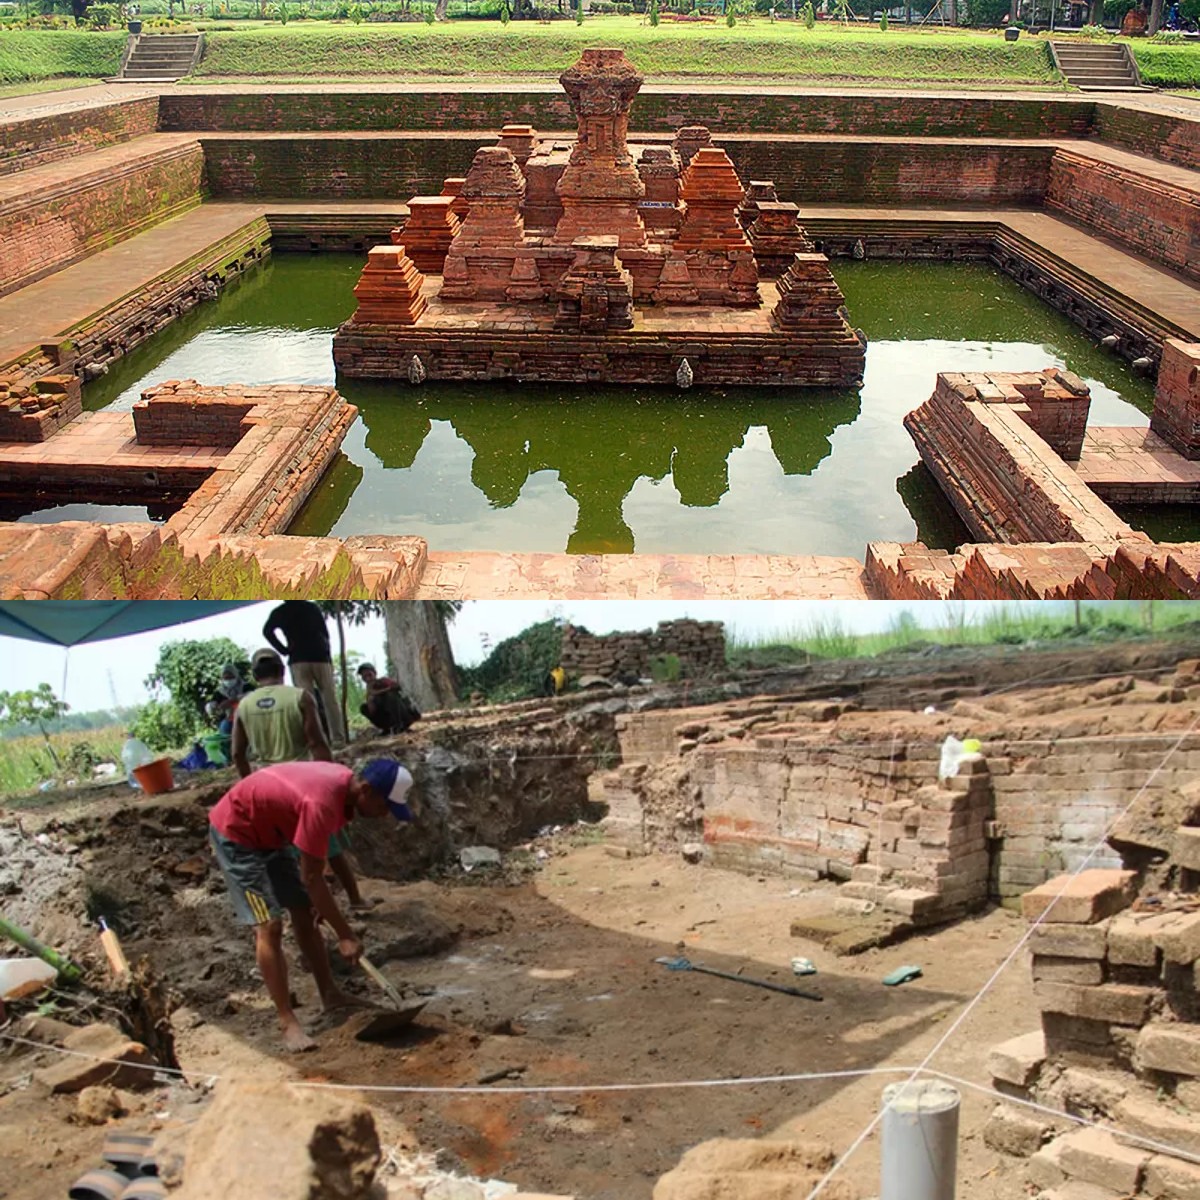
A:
<point x="262" y="883"/>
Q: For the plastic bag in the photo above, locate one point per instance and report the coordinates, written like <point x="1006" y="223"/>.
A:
<point x="953" y="752"/>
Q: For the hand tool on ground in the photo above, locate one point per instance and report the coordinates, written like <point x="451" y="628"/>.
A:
<point x="685" y="964"/>
<point x="389" y="1020"/>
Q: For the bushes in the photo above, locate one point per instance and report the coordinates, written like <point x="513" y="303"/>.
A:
<point x="27" y="54"/>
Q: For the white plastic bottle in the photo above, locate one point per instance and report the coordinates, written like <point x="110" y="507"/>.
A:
<point x="135" y="753"/>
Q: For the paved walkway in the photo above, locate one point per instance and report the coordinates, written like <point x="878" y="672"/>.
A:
<point x="489" y="576"/>
<point x="1137" y="460"/>
<point x="72" y="99"/>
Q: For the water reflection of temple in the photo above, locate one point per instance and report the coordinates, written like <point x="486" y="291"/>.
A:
<point x="596" y="261"/>
<point x="662" y="437"/>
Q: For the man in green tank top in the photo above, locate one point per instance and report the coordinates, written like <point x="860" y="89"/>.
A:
<point x="274" y="724"/>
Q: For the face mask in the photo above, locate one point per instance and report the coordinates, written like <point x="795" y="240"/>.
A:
<point x="230" y="688"/>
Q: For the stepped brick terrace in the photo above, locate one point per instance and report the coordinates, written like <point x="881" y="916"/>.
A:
<point x="603" y="262"/>
<point x="121" y="216"/>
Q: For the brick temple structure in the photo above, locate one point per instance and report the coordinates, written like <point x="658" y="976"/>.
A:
<point x="597" y="260"/>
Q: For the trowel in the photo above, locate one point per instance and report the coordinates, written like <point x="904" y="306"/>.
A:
<point x="388" y="1021"/>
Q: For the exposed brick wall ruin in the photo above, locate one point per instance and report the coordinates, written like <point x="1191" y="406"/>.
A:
<point x="699" y="646"/>
<point x="48" y="229"/>
<point x="815" y="790"/>
<point x="32" y="141"/>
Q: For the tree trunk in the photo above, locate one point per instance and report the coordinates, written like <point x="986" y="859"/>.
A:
<point x="1156" y="9"/>
<point x="1013" y="9"/>
<point x="341" y="628"/>
<point x="439" y="10"/>
<point x="1096" y="13"/>
<point x="419" y="649"/>
<point x="952" y="12"/>
<point x="50" y="746"/>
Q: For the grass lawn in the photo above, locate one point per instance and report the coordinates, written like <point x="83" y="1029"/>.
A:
<point x="714" y="51"/>
<point x="36" y="86"/>
<point x="28" y="55"/>
<point x="1167" y="66"/>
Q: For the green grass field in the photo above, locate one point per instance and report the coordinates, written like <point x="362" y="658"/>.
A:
<point x="1001" y="626"/>
<point x="25" y="762"/>
<point x="1168" y="66"/>
<point x="759" y="51"/>
<point x="27" y="55"/>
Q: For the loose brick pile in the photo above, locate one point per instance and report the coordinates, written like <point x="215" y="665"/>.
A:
<point x="32" y="414"/>
<point x="1115" y="978"/>
<point x="699" y="646"/>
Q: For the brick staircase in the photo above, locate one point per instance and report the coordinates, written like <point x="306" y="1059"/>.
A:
<point x="160" y="58"/>
<point x="1100" y="66"/>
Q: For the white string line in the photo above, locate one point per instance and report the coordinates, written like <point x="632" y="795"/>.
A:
<point x="1007" y="961"/>
<point x="482" y="1089"/>
<point x="739" y="1081"/>
<point x="1050" y="1111"/>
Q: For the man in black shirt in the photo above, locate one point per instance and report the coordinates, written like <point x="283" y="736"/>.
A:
<point x="296" y="629"/>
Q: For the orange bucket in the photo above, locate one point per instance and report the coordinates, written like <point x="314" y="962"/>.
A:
<point x="155" y="777"/>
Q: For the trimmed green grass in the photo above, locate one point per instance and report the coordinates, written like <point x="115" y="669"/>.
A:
<point x="35" y="54"/>
<point x="37" y="86"/>
<point x="1168" y="66"/>
<point x="758" y="51"/>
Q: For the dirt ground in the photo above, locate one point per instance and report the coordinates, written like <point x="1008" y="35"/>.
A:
<point x="555" y="978"/>
<point x="544" y="975"/>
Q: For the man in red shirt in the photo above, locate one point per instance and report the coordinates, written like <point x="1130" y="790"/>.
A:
<point x="250" y="828"/>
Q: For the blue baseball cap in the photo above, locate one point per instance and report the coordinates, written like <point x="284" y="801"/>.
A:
<point x="392" y="781"/>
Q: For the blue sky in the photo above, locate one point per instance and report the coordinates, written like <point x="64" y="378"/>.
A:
<point x="97" y="676"/>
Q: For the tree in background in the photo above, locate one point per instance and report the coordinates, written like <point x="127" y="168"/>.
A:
<point x="35" y="706"/>
<point x="418" y="648"/>
<point x="516" y="668"/>
<point x="189" y="671"/>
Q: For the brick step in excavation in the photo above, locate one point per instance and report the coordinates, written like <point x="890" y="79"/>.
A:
<point x="1114" y="954"/>
<point x="35" y="141"/>
<point x="60" y="213"/>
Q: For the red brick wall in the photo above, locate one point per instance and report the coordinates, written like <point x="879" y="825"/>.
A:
<point x="1170" y="138"/>
<point x="804" y="170"/>
<point x="47" y="230"/>
<point x="1152" y="218"/>
<point x="653" y="112"/>
<point x="190" y="420"/>
<point x="893" y="172"/>
<point x="37" y="140"/>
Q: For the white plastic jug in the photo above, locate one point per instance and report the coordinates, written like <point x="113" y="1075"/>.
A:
<point x="135" y="753"/>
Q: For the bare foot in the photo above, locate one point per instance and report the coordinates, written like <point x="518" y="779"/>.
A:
<point x="336" y="999"/>
<point x="363" y="906"/>
<point x="296" y="1040"/>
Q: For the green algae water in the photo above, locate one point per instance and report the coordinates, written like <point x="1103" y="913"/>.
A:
<point x="617" y="469"/>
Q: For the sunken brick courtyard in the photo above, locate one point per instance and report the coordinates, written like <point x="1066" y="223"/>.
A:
<point x="607" y="230"/>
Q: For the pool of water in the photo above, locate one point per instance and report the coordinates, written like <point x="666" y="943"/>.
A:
<point x="588" y="469"/>
<point x="109" y="514"/>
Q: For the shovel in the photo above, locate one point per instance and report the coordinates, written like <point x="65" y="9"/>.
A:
<point x="685" y="964"/>
<point x="390" y="1021"/>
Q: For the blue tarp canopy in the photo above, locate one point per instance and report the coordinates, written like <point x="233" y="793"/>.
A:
<point x="74" y="622"/>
